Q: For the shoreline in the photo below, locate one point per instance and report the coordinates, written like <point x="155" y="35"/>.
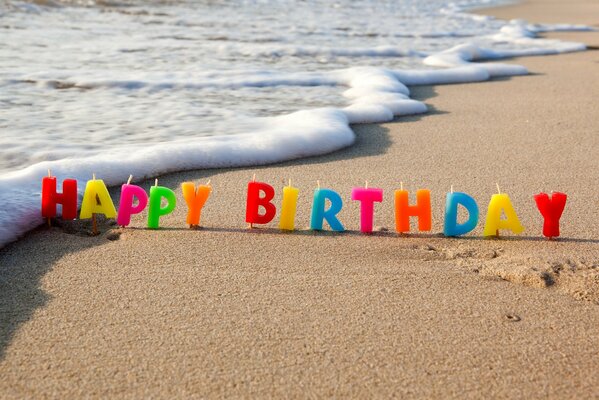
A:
<point x="373" y="96"/>
<point x="136" y="313"/>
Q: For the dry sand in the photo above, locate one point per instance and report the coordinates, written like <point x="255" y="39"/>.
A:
<point x="225" y="312"/>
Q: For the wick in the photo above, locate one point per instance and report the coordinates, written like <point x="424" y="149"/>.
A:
<point x="365" y="184"/>
<point x="289" y="182"/>
<point x="254" y="178"/>
<point x="129" y="180"/>
<point x="94" y="176"/>
<point x="401" y="185"/>
<point x="451" y="188"/>
<point x="208" y="183"/>
<point x="49" y="172"/>
<point x="156" y="182"/>
<point x="318" y="184"/>
<point x="498" y="190"/>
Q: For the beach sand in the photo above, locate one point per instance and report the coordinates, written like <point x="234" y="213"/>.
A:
<point x="223" y="311"/>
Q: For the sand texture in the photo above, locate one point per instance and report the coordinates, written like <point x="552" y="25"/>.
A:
<point x="224" y="312"/>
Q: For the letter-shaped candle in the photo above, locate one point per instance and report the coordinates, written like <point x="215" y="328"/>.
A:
<point x="254" y="201"/>
<point x="195" y="199"/>
<point x="155" y="211"/>
<point x="422" y="210"/>
<point x="551" y="209"/>
<point x="318" y="210"/>
<point x="126" y="208"/>
<point x="68" y="198"/>
<point x="494" y="222"/>
<point x="367" y="197"/>
<point x="288" y="207"/>
<point x="96" y="200"/>
<point x="453" y="201"/>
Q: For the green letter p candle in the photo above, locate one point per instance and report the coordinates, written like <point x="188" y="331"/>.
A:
<point x="157" y="193"/>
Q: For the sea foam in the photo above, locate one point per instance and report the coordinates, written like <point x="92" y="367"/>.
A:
<point x="367" y="94"/>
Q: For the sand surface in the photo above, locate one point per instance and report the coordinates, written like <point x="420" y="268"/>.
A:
<point x="225" y="312"/>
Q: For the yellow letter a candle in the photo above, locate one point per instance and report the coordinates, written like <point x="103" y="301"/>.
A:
<point x="494" y="222"/>
<point x="96" y="200"/>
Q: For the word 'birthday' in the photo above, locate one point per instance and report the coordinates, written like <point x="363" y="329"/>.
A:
<point x="326" y="205"/>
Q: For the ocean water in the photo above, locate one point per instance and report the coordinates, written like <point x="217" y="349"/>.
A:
<point x="147" y="87"/>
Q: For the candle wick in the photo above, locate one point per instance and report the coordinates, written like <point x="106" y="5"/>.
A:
<point x="289" y="182"/>
<point x="401" y="185"/>
<point x="318" y="183"/>
<point x="129" y="180"/>
<point x="498" y="190"/>
<point x="94" y="176"/>
<point x="49" y="172"/>
<point x="208" y="183"/>
<point x="254" y="178"/>
<point x="451" y="188"/>
<point x="156" y="182"/>
<point x="365" y="184"/>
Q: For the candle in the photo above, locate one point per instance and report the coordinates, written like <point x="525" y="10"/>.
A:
<point x="288" y="207"/>
<point x="50" y="198"/>
<point x="319" y="214"/>
<point x="367" y="197"/>
<point x="453" y="201"/>
<point x="422" y="210"/>
<point x="155" y="211"/>
<point x="551" y="208"/>
<point x="501" y="202"/>
<point x="254" y="201"/>
<point x="96" y="200"/>
<point x="195" y="199"/>
<point x="126" y="208"/>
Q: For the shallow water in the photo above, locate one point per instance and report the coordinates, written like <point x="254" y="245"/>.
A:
<point x="77" y="80"/>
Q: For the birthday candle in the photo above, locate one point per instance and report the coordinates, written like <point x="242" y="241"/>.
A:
<point x="288" y="207"/>
<point x="367" y="197"/>
<point x="50" y="198"/>
<point x="254" y="201"/>
<point x="551" y="208"/>
<point x="494" y="222"/>
<point x="126" y="208"/>
<point x="96" y="200"/>
<point x="453" y="201"/>
<point x="195" y="199"/>
<point x="155" y="211"/>
<point x="319" y="214"/>
<point x="422" y="210"/>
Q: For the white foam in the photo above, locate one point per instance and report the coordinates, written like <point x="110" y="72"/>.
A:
<point x="371" y="95"/>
